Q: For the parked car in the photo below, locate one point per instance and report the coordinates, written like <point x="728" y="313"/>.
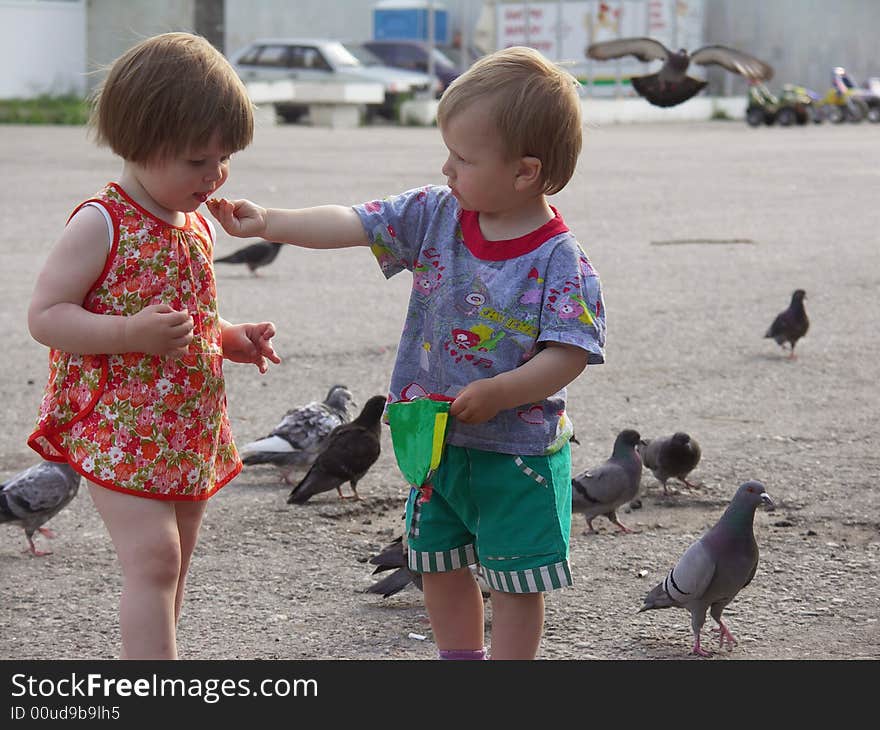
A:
<point x="413" y="55"/>
<point x="324" y="60"/>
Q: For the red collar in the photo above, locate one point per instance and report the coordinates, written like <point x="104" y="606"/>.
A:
<point x="510" y="248"/>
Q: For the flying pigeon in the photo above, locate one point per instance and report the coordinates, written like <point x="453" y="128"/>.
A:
<point x="34" y="496"/>
<point x="716" y="567"/>
<point x="393" y="557"/>
<point x="671" y="85"/>
<point x="255" y="255"/>
<point x="601" y="490"/>
<point x="671" y="456"/>
<point x="347" y="454"/>
<point x="295" y="442"/>
<point x="791" y="324"/>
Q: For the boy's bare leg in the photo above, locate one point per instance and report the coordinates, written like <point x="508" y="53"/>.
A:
<point x="455" y="607"/>
<point x="517" y="625"/>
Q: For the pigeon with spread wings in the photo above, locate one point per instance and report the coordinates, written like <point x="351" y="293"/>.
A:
<point x="672" y="85"/>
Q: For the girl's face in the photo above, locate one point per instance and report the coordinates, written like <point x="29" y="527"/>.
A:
<point x="181" y="184"/>
<point x="477" y="169"/>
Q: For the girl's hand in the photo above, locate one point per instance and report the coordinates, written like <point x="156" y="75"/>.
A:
<point x="250" y="343"/>
<point x="240" y="218"/>
<point x="159" y="330"/>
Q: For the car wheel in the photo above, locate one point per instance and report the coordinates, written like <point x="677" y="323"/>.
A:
<point x="874" y="114"/>
<point x="786" y="117"/>
<point x="754" y="116"/>
<point x="291" y="113"/>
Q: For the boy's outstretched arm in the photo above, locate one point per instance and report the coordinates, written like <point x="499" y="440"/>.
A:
<point x="324" y="226"/>
<point x="552" y="368"/>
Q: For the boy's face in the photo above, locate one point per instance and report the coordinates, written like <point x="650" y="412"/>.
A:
<point x="477" y="169"/>
<point x="182" y="183"/>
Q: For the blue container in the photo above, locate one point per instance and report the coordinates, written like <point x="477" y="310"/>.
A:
<point x="409" y="23"/>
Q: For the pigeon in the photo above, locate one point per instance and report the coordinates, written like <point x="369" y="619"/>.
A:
<point x="671" y="456"/>
<point x="601" y="490"/>
<point x="671" y="85"/>
<point x="255" y="255"/>
<point x="347" y="454"/>
<point x="715" y="568"/>
<point x="34" y="496"/>
<point x="393" y="556"/>
<point x="295" y="442"/>
<point x="791" y="324"/>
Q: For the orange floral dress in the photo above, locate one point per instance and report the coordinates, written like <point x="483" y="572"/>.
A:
<point x="147" y="425"/>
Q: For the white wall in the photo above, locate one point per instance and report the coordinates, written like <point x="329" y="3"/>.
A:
<point x="42" y="47"/>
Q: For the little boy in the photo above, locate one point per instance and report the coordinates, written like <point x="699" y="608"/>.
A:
<point x="505" y="311"/>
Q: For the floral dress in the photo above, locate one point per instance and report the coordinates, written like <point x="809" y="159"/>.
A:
<point x="143" y="424"/>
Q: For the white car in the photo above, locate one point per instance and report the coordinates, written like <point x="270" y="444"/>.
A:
<point x="324" y="60"/>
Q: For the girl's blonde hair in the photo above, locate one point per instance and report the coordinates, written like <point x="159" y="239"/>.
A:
<point x="170" y="94"/>
<point x="534" y="105"/>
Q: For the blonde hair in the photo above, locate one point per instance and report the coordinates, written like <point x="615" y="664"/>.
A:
<point x="535" y="107"/>
<point x="167" y="95"/>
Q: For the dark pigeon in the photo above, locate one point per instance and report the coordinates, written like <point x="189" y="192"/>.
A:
<point x="671" y="456"/>
<point x="34" y="496"/>
<point x="715" y="568"/>
<point x="393" y="557"/>
<point x="255" y="255"/>
<point x="295" y="442"/>
<point x="601" y="490"/>
<point x="791" y="324"/>
<point x="347" y="454"/>
<point x="671" y="85"/>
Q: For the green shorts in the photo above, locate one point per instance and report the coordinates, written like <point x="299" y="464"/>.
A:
<point x="509" y="513"/>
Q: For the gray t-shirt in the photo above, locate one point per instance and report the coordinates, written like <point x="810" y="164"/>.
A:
<point x="479" y="308"/>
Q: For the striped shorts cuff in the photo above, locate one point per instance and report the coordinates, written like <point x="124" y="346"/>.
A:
<point x="533" y="580"/>
<point x="442" y="560"/>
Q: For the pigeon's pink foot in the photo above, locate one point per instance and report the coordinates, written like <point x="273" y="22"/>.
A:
<point x="47" y="532"/>
<point x="33" y="550"/>
<point x="726" y="636"/>
<point x="622" y="527"/>
<point x="699" y="650"/>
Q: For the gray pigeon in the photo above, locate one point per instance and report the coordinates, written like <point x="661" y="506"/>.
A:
<point x="601" y="490"/>
<point x="671" y="456"/>
<point x="255" y="255"/>
<point x="671" y="85"/>
<point x="295" y="442"/>
<point x="716" y="567"/>
<point x="790" y="324"/>
<point x="34" y="496"/>
<point x="347" y="454"/>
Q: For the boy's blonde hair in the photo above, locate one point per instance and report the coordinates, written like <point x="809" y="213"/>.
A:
<point x="170" y="94"/>
<point x="535" y="106"/>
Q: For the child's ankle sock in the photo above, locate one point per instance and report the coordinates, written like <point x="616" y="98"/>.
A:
<point x="463" y="654"/>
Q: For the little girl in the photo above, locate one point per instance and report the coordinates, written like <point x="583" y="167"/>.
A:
<point x="126" y="301"/>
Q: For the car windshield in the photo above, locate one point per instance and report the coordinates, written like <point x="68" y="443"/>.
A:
<point x="339" y="55"/>
<point x="364" y="55"/>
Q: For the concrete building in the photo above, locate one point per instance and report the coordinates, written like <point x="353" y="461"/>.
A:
<point x="59" y="46"/>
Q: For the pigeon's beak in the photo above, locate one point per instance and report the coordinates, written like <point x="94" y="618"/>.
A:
<point x="768" y="503"/>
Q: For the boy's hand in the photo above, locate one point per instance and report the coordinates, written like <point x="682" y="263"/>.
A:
<point x="250" y="343"/>
<point x="159" y="330"/>
<point x="240" y="218"/>
<point x="478" y="402"/>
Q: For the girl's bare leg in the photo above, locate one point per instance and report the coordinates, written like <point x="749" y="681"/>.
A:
<point x="455" y="607"/>
<point x="147" y="542"/>
<point x="189" y="520"/>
